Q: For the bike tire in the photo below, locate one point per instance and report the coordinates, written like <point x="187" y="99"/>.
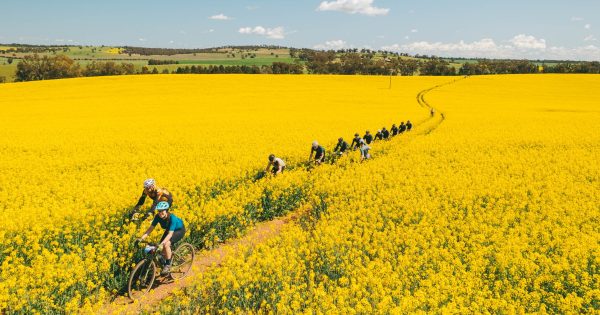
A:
<point x="183" y="258"/>
<point x="141" y="280"/>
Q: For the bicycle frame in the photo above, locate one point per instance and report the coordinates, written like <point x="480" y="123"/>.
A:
<point x="153" y="256"/>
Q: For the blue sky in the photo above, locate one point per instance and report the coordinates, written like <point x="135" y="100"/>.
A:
<point x="548" y="29"/>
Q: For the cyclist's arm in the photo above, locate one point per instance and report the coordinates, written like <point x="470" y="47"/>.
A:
<point x="154" y="203"/>
<point x="267" y="169"/>
<point x="148" y="231"/>
<point x="311" y="154"/>
<point x="141" y="200"/>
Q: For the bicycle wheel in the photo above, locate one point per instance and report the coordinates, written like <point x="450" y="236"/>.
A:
<point x="183" y="258"/>
<point x="141" y="279"/>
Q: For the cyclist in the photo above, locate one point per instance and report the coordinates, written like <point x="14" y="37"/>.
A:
<point x="409" y="125"/>
<point x="402" y="127"/>
<point x="319" y="153"/>
<point x="341" y="147"/>
<point x="355" y="142"/>
<point x="378" y="135"/>
<point x="277" y="163"/>
<point x="368" y="137"/>
<point x="364" y="151"/>
<point x="394" y="130"/>
<point x="385" y="133"/>
<point x="174" y="232"/>
<point x="157" y="194"/>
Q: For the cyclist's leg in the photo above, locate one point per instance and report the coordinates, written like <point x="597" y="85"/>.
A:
<point x="177" y="236"/>
<point x="169" y="245"/>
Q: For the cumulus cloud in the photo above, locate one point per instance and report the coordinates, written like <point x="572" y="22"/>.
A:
<point x="364" y="7"/>
<point x="520" y="46"/>
<point x="221" y="17"/>
<point x="587" y="26"/>
<point x="576" y="18"/>
<point x="484" y="45"/>
<point x="142" y="39"/>
<point x="528" y="42"/>
<point x="590" y="38"/>
<point x="414" y="30"/>
<point x="332" y="45"/>
<point x="274" y="33"/>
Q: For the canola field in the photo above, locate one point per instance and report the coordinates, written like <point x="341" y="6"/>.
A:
<point x="75" y="153"/>
<point x="494" y="208"/>
<point x="495" y="211"/>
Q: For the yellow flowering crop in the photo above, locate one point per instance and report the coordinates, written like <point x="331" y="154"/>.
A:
<point x="494" y="211"/>
<point x="75" y="153"/>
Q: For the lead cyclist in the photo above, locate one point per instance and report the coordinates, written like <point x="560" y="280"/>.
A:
<point x="174" y="232"/>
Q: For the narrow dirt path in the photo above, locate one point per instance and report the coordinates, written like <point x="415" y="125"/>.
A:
<point x="204" y="260"/>
<point x="214" y="257"/>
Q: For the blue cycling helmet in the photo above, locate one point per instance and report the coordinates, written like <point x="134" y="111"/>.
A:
<point x="162" y="206"/>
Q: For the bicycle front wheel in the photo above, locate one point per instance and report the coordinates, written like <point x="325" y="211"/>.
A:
<point x="183" y="258"/>
<point x="141" y="279"/>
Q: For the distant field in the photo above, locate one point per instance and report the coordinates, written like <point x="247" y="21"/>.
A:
<point x="8" y="70"/>
<point x="232" y="62"/>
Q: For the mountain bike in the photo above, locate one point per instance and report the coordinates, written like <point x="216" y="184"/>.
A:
<point x="147" y="271"/>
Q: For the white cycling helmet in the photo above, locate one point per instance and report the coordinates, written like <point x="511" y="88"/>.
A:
<point x="149" y="183"/>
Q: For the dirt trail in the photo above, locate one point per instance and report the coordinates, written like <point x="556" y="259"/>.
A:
<point x="204" y="260"/>
<point x="257" y="235"/>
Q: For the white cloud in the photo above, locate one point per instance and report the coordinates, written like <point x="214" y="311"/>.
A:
<point x="353" y="7"/>
<point x="142" y="39"/>
<point x="590" y="38"/>
<point x="528" y="42"/>
<point x="220" y="16"/>
<point x="587" y="26"/>
<point x="332" y="45"/>
<point x="414" y="30"/>
<point x="274" y="33"/>
<point x="520" y="46"/>
<point x="576" y="18"/>
<point x="484" y="45"/>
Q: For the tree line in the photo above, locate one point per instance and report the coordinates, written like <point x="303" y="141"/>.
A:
<point x="35" y="67"/>
<point x="275" y="68"/>
<point x="350" y="63"/>
<point x="156" y="62"/>
<point x="367" y="62"/>
<point x="145" y="51"/>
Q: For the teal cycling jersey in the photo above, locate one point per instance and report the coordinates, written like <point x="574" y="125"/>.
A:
<point x="172" y="223"/>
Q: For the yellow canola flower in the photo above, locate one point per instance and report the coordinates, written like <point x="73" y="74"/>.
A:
<point x="494" y="211"/>
<point x="75" y="152"/>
